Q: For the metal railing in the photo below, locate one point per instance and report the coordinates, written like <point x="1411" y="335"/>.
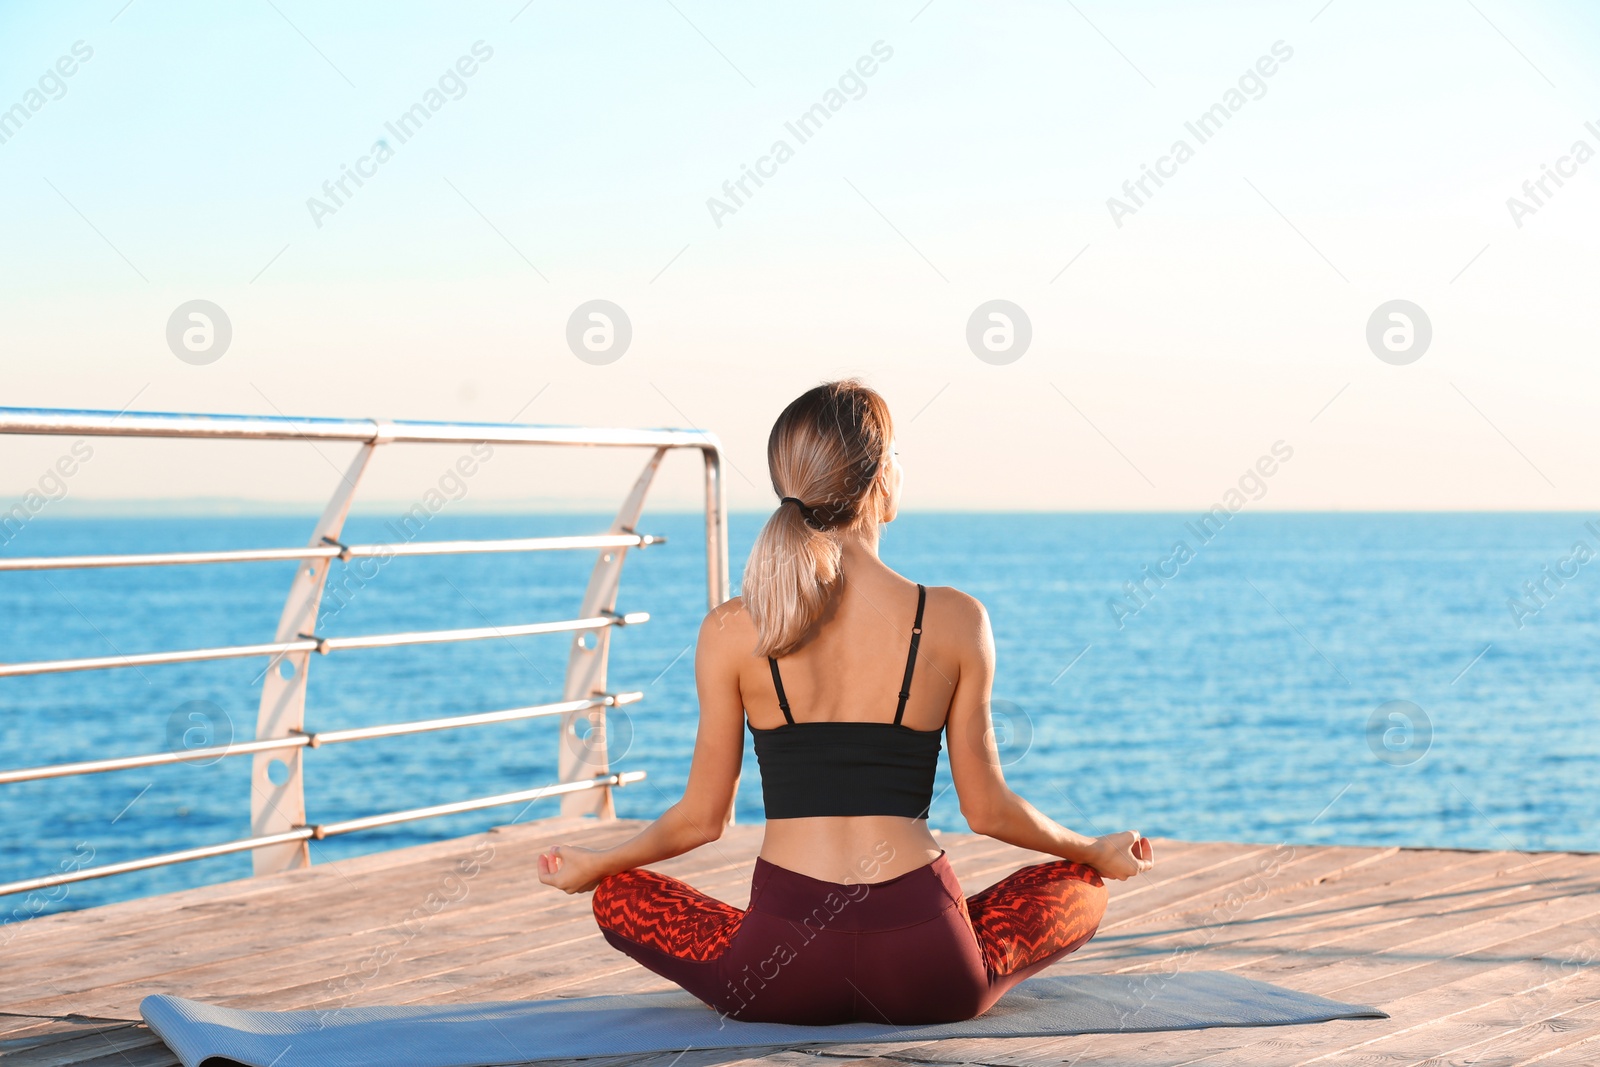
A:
<point x="279" y="829"/>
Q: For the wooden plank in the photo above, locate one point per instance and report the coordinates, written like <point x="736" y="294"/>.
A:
<point x="1313" y="869"/>
<point x="1420" y="1003"/>
<point x="1353" y="979"/>
<point x="1216" y="908"/>
<point x="285" y="920"/>
<point x="235" y="980"/>
<point x="1267" y="920"/>
<point x="156" y="905"/>
<point x="1333" y="915"/>
<point x="312" y="921"/>
<point x="118" y="985"/>
<point x="599" y="968"/>
<point x="1418" y="1016"/>
<point x="1213" y="865"/>
<point x="1457" y="939"/>
<point x="1230" y="1046"/>
<point x="313" y="905"/>
<point x="183" y="911"/>
<point x="154" y="1054"/>
<point x="1157" y="894"/>
<point x="1179" y="1046"/>
<point x="1579" y="1051"/>
<point x="37" y="1033"/>
<point x="298" y="947"/>
<point x="1360" y="913"/>
<point x="1388" y="949"/>
<point x="1295" y="1045"/>
<point x="1093" y="1045"/>
<point x="1357" y="962"/>
<point x="117" y="1041"/>
<point x="1509" y="1034"/>
<point x="1397" y="925"/>
<point x="279" y="916"/>
<point x="17" y="1027"/>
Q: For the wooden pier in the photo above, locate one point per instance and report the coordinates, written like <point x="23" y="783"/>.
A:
<point x="1481" y="958"/>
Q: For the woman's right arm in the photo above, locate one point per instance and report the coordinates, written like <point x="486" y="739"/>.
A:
<point x="707" y="804"/>
<point x="988" y="804"/>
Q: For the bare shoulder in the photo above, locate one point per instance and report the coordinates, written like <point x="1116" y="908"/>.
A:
<point x="728" y="628"/>
<point x="963" y="615"/>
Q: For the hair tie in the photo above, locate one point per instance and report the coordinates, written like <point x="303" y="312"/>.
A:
<point x="805" y="512"/>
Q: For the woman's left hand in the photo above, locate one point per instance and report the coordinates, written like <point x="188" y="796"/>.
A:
<point x="1121" y="856"/>
<point x="572" y="868"/>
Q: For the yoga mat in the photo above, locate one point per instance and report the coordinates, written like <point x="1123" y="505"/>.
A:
<point x="510" y="1032"/>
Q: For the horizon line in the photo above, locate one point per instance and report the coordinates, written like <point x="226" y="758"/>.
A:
<point x="223" y="507"/>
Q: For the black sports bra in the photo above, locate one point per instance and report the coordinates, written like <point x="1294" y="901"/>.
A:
<point x="850" y="767"/>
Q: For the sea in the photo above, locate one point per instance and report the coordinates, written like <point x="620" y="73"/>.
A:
<point x="1423" y="680"/>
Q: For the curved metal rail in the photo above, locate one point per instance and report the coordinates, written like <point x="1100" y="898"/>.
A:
<point x="279" y="827"/>
<point x="332" y="550"/>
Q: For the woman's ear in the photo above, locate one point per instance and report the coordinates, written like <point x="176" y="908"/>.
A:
<point x="883" y="496"/>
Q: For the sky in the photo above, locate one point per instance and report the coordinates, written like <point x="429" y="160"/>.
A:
<point x="1359" y="153"/>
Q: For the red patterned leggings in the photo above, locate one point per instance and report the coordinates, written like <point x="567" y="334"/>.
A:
<point x="912" y="949"/>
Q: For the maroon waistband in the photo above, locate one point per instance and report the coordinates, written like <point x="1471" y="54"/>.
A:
<point x="904" y="900"/>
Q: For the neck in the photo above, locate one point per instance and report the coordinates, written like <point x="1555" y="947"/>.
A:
<point x="860" y="547"/>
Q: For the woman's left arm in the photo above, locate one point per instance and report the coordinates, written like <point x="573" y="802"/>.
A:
<point x="707" y="804"/>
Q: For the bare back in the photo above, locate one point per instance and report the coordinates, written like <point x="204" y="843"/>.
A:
<point x="850" y="668"/>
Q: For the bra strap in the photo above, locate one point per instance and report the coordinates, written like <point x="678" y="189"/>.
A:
<point x="777" y="683"/>
<point x="911" y="657"/>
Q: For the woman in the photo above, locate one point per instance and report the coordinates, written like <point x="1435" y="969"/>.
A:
<point x="855" y="912"/>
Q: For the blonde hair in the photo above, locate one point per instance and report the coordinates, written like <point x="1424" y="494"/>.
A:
<point x="826" y="451"/>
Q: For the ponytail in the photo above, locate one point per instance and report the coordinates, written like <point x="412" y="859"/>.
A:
<point x="825" y="452"/>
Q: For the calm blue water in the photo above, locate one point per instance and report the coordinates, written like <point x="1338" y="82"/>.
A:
<point x="1237" y="702"/>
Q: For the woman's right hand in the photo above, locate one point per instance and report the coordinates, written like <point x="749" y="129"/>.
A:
<point x="572" y="868"/>
<point x="1121" y="856"/>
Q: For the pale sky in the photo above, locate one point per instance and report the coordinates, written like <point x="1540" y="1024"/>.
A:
<point x="974" y="162"/>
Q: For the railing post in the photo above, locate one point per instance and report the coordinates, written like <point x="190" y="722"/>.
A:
<point x="717" y="550"/>
<point x="280" y="806"/>
<point x="583" y="755"/>
<point x="716" y="529"/>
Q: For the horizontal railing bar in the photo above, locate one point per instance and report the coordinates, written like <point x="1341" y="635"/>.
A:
<point x="147" y="659"/>
<point x="158" y="559"/>
<point x="510" y="544"/>
<point x="320" y="644"/>
<point x="372" y="821"/>
<point x="478" y="633"/>
<point x="328" y="551"/>
<point x="377" y="431"/>
<point x="363" y="733"/>
<point x="303" y="833"/>
<point x="153" y="759"/>
<point x="299" y="833"/>
<point x="312" y="740"/>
